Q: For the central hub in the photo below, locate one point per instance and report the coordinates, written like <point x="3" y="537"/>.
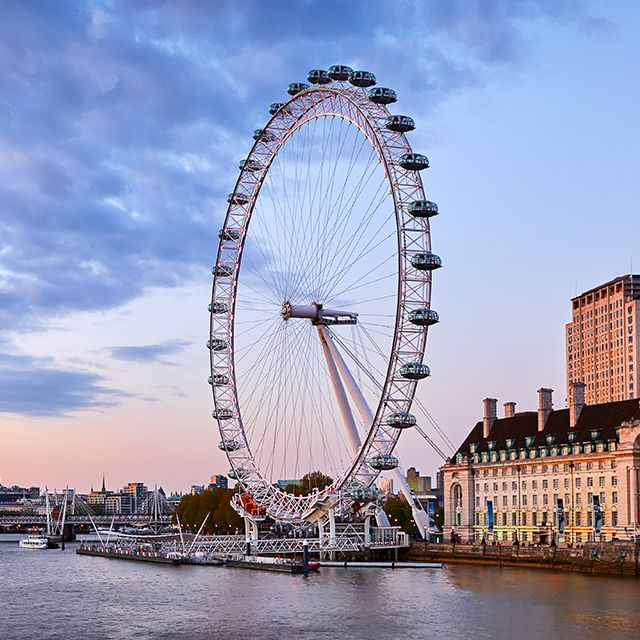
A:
<point x="318" y="314"/>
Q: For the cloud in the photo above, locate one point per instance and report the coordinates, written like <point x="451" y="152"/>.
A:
<point x="35" y="387"/>
<point x="121" y="122"/>
<point x="150" y="352"/>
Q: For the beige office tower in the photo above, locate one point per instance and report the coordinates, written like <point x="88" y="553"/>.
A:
<point x="602" y="341"/>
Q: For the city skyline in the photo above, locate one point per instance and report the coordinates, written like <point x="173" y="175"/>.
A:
<point x="109" y="227"/>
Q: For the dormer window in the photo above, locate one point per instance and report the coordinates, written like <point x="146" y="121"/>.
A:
<point x="511" y="442"/>
<point x="572" y="435"/>
<point x="529" y="440"/>
<point x="595" y="434"/>
<point x="491" y="444"/>
<point x="473" y="447"/>
<point x="551" y="438"/>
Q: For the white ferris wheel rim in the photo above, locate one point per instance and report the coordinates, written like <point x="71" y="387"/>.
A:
<point x="351" y="104"/>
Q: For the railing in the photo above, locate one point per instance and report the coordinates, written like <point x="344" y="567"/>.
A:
<point x="349" y="537"/>
<point x="137" y="518"/>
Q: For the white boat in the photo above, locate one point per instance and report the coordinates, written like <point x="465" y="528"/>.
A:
<point x="34" y="542"/>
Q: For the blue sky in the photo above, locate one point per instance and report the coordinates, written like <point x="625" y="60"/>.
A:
<point x="121" y="124"/>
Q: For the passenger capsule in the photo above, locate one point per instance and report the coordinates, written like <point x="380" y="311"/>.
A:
<point x="217" y="344"/>
<point x="415" y="371"/>
<point x="339" y="72"/>
<point x="365" y="495"/>
<point x="222" y="271"/>
<point x="237" y="198"/>
<point x="229" y="235"/>
<point x="362" y="79"/>
<point x="250" y="164"/>
<point x="274" y="107"/>
<point x="423" y="209"/>
<point x="401" y="420"/>
<point x="318" y="76"/>
<point x="402" y="124"/>
<point x="222" y="414"/>
<point x="238" y="474"/>
<point x="217" y="307"/>
<point x="219" y="380"/>
<point x="382" y="95"/>
<point x="426" y="261"/>
<point x="296" y="87"/>
<point x="424" y="317"/>
<point x="264" y="134"/>
<point x="383" y="462"/>
<point x="414" y="161"/>
<point x="229" y="445"/>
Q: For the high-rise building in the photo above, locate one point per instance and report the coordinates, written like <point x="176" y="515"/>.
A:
<point x="603" y="341"/>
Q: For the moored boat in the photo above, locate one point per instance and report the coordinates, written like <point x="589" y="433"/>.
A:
<point x="34" y="542"/>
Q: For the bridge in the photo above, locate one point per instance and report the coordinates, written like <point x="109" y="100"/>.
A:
<point x="134" y="519"/>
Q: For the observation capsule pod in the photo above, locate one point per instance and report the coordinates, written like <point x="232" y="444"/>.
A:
<point x="237" y="198"/>
<point x="217" y="307"/>
<point x="318" y="76"/>
<point x="383" y="462"/>
<point x="219" y="380"/>
<point x="423" y="209"/>
<point x="229" y="445"/>
<point x="266" y="135"/>
<point x="339" y="72"/>
<point x="426" y="261"/>
<point x="222" y="414"/>
<point x="423" y="317"/>
<point x="229" y="235"/>
<point x="222" y="271"/>
<point x="274" y="106"/>
<point x="364" y="495"/>
<point x="250" y="164"/>
<point x="382" y="95"/>
<point x="238" y="474"/>
<point x="217" y="344"/>
<point x="402" y="124"/>
<point x="414" y="161"/>
<point x="362" y="79"/>
<point x="296" y="87"/>
<point x="401" y="420"/>
<point x="415" y="371"/>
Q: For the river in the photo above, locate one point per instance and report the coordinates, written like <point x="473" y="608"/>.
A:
<point x="51" y="595"/>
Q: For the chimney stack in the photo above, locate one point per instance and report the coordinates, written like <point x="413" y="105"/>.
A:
<point x="545" y="406"/>
<point x="490" y="415"/>
<point x="576" y="401"/>
<point x="509" y="409"/>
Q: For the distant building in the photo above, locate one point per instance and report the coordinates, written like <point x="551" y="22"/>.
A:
<point x="420" y="485"/>
<point x="218" y="482"/>
<point x="139" y="494"/>
<point x="197" y="489"/>
<point x="546" y="473"/>
<point x="118" y="503"/>
<point x="386" y="486"/>
<point x="603" y="341"/>
<point x="283" y="483"/>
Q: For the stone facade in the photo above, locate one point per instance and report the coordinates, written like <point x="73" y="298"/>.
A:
<point x="603" y="341"/>
<point x="527" y="461"/>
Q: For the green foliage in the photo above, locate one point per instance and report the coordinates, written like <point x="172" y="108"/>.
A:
<point x="193" y="509"/>
<point x="399" y="512"/>
<point x="310" y="481"/>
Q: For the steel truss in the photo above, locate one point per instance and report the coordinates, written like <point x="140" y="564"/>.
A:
<point x="351" y="104"/>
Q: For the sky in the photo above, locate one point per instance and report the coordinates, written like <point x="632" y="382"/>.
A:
<point x="121" y="125"/>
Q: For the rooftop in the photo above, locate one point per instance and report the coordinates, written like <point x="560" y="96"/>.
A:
<point x="603" y="417"/>
<point x="629" y="278"/>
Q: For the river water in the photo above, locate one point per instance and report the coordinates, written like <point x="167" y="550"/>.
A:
<point x="47" y="595"/>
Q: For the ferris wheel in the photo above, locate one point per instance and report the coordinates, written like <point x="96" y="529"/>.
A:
<point x="321" y="297"/>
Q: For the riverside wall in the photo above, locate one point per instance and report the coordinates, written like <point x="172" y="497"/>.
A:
<point x="611" y="558"/>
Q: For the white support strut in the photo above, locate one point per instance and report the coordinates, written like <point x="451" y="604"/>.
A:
<point x="420" y="516"/>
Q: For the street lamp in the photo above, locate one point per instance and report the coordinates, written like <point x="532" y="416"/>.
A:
<point x="572" y="532"/>
<point x="519" y="514"/>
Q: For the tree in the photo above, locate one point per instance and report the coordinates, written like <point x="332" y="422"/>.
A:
<point x="193" y="509"/>
<point x="399" y="512"/>
<point x="309" y="482"/>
